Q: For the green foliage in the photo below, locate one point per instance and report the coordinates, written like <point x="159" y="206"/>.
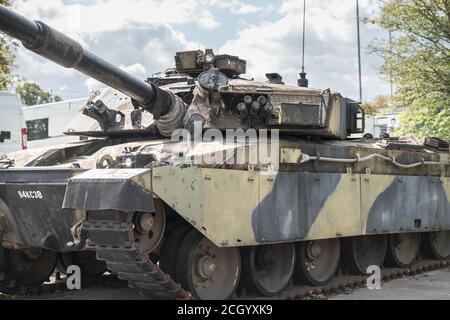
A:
<point x="418" y="62"/>
<point x="432" y="119"/>
<point x="6" y="57"/>
<point x="32" y="94"/>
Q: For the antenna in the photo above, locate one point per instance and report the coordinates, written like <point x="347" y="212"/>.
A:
<point x="303" y="82"/>
<point x="359" y="52"/>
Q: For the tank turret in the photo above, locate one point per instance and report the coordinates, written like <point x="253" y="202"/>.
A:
<point x="203" y="87"/>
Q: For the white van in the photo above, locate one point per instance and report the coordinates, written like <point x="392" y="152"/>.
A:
<point x="13" y="132"/>
<point x="379" y="124"/>
<point x="46" y="123"/>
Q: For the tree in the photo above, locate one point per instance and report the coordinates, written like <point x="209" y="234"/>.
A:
<point x="431" y="120"/>
<point x="379" y="105"/>
<point x="32" y="94"/>
<point x="418" y="62"/>
<point x="6" y="57"/>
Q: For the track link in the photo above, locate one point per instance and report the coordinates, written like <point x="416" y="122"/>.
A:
<point x="112" y="236"/>
<point x="346" y="283"/>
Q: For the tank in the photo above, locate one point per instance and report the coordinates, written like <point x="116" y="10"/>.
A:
<point x="201" y="184"/>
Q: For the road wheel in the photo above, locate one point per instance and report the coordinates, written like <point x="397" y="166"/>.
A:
<point x="268" y="269"/>
<point x="317" y="261"/>
<point x="403" y="249"/>
<point x="436" y="245"/>
<point x="89" y="265"/>
<point x="30" y="267"/>
<point x="358" y="253"/>
<point x="205" y="270"/>
<point x="170" y="248"/>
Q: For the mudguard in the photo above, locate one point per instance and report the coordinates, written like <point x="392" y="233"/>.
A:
<point x="110" y="189"/>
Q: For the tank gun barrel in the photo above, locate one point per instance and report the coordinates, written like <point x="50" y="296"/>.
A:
<point x="63" y="50"/>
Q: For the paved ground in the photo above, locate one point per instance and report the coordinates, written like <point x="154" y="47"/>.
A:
<point x="431" y="286"/>
<point x="94" y="294"/>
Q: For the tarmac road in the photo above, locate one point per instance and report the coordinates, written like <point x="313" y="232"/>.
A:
<point x="434" y="285"/>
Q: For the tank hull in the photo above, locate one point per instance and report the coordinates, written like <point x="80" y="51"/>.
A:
<point x="299" y="206"/>
<point x="298" y="202"/>
<point x="31" y="209"/>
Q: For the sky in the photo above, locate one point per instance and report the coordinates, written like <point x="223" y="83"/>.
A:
<point x="142" y="36"/>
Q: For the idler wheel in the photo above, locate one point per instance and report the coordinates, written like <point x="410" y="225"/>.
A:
<point x="149" y="228"/>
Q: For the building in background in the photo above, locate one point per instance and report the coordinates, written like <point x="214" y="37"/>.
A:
<point x="13" y="132"/>
<point x="35" y="126"/>
<point x="46" y="122"/>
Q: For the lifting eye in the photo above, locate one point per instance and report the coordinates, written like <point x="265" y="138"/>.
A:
<point x="106" y="162"/>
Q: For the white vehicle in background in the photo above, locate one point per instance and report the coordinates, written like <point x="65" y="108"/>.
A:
<point x="13" y="132"/>
<point x="380" y="124"/>
<point x="35" y="126"/>
<point x="46" y="122"/>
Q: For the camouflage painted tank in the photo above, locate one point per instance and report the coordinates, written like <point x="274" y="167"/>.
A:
<point x="199" y="183"/>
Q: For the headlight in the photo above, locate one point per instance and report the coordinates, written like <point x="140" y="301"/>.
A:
<point x="128" y="162"/>
<point x="209" y="58"/>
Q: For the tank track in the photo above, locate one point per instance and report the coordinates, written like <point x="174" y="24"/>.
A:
<point x="122" y="256"/>
<point x="346" y="283"/>
<point x="341" y="284"/>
